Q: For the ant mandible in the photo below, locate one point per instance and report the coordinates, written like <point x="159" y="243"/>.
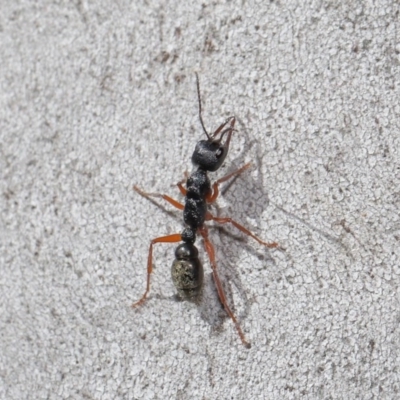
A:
<point x="187" y="271"/>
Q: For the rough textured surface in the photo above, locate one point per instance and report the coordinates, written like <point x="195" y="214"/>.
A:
<point x="98" y="96"/>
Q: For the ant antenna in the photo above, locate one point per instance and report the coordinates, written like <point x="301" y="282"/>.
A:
<point x="198" y="95"/>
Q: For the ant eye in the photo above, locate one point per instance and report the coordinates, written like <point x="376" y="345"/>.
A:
<point x="219" y="152"/>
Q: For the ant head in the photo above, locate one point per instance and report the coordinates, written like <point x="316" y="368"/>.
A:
<point x="210" y="154"/>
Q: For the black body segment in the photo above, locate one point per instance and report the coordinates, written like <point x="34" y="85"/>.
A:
<point x="209" y="155"/>
<point x="187" y="272"/>
<point x="198" y="186"/>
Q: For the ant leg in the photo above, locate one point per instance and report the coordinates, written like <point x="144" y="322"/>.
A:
<point x="211" y="255"/>
<point x="181" y="188"/>
<point x="215" y="190"/>
<point x="164" y="239"/>
<point x="163" y="196"/>
<point x="210" y="217"/>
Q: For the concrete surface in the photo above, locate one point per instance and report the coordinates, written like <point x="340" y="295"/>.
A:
<point x="99" y="96"/>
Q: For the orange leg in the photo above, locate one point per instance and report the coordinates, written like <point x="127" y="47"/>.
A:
<point x="163" y="196"/>
<point x="211" y="255"/>
<point x="181" y="188"/>
<point x="210" y="217"/>
<point x="176" y="237"/>
<point x="215" y="190"/>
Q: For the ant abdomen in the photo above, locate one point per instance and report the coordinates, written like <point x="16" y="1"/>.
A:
<point x="187" y="272"/>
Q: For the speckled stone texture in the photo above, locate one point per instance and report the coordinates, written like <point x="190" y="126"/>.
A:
<point x="99" y="96"/>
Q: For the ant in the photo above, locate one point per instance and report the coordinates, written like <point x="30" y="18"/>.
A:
<point x="187" y="270"/>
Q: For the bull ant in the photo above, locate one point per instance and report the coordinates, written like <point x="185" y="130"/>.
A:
<point x="187" y="271"/>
